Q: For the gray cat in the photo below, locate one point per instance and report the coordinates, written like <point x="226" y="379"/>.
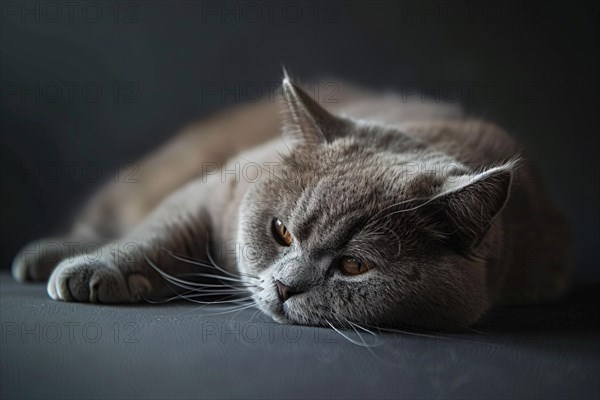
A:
<point x="371" y="210"/>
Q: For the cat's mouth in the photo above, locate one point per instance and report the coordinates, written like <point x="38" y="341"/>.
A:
<point x="277" y="312"/>
<point x="279" y="309"/>
<point x="268" y="301"/>
<point x="273" y="305"/>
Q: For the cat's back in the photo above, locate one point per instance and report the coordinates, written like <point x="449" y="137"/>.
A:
<point x="443" y="126"/>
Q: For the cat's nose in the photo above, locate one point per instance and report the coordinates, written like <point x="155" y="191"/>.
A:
<point x="285" y="291"/>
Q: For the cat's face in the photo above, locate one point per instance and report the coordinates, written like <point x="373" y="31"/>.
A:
<point x="344" y="234"/>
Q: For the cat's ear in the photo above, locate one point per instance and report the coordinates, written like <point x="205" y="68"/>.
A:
<point x="464" y="210"/>
<point x="304" y="120"/>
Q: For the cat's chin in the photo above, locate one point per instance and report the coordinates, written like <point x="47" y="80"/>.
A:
<point x="277" y="312"/>
<point x="280" y="319"/>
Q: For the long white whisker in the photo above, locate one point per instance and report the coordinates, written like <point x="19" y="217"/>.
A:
<point x="175" y="281"/>
<point x="178" y="296"/>
<point x="354" y="326"/>
<point x="370" y="347"/>
<point x="240" y="308"/>
<point x="213" y="293"/>
<point x="226" y="278"/>
<point x="407" y="332"/>
<point x="204" y="264"/>
<point x="213" y="261"/>
<point x="218" y="285"/>
<point x="363" y="341"/>
<point x="169" y="277"/>
<point x="361" y="344"/>
<point x="432" y="336"/>
<point x="207" y="307"/>
<point x="184" y="295"/>
<point x="231" y="301"/>
<point x="235" y="315"/>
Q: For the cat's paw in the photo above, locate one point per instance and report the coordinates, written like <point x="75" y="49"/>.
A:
<point x="36" y="260"/>
<point x="96" y="281"/>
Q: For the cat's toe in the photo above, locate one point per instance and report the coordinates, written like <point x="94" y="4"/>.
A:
<point x="36" y="260"/>
<point x="70" y="280"/>
<point x="96" y="281"/>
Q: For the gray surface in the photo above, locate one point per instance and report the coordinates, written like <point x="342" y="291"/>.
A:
<point x="170" y="351"/>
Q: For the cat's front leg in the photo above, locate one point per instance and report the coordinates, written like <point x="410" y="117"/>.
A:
<point x="136" y="266"/>
<point x="103" y="219"/>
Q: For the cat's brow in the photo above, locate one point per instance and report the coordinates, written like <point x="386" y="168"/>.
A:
<point x="344" y="233"/>
<point x="353" y="229"/>
<point x="304" y="229"/>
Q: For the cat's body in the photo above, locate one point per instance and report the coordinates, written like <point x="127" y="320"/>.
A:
<point x="391" y="213"/>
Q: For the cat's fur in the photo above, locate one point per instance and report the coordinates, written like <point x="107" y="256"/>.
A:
<point x="451" y="217"/>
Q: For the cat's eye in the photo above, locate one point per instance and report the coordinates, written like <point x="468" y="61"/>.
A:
<point x="280" y="232"/>
<point x="353" y="266"/>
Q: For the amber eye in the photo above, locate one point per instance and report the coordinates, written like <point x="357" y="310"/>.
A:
<point x="353" y="266"/>
<point x="280" y="232"/>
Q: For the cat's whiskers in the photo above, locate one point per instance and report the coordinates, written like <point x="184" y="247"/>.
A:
<point x="431" y="335"/>
<point x="244" y="308"/>
<point x="202" y="263"/>
<point x="354" y="326"/>
<point x="170" y="278"/>
<point x="192" y="285"/>
<point x="186" y="296"/>
<point x="215" y="276"/>
<point x="216" y="292"/>
<point x="199" y="287"/>
<point x="230" y="307"/>
<point x="217" y="266"/>
<point x="348" y="338"/>
<point x="219" y="285"/>
<point x="407" y="332"/>
<point x="233" y="309"/>
<point x="231" y="278"/>
<point x="226" y="300"/>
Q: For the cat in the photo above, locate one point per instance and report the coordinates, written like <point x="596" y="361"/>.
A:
<point x="368" y="210"/>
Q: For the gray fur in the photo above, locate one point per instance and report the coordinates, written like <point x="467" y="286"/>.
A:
<point x="442" y="206"/>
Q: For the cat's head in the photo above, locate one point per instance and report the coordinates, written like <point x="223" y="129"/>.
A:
<point x="352" y="229"/>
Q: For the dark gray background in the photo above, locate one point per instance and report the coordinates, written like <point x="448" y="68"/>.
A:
<point x="530" y="67"/>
